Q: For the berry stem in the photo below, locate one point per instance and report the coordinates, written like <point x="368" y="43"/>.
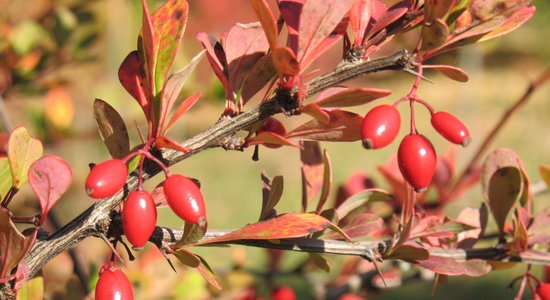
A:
<point x="428" y="106"/>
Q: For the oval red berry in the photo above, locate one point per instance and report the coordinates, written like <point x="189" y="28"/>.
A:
<point x="417" y="161"/>
<point x="380" y="126"/>
<point x="272" y="125"/>
<point x="106" y="178"/>
<point x="543" y="291"/>
<point x="185" y="198"/>
<point x="139" y="217"/>
<point x="283" y="293"/>
<point x="451" y="128"/>
<point x="113" y="284"/>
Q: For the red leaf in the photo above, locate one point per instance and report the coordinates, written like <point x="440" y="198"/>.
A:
<point x="49" y="177"/>
<point x="452" y="72"/>
<point x="451" y="267"/>
<point x="150" y="46"/>
<point x="285" y="61"/>
<point x="268" y="137"/>
<point x="317" y="112"/>
<point x="291" y="11"/>
<point x="183" y="107"/>
<point x="14" y="246"/>
<point x="334" y="37"/>
<point x="172" y="89"/>
<point x="216" y="58"/>
<point x="312" y="171"/>
<point x="166" y="142"/>
<point x="286" y="226"/>
<point x="338" y="97"/>
<point x="317" y="21"/>
<point x="264" y="14"/>
<point x="359" y="18"/>
<point x="343" y="127"/>
<point x="514" y="21"/>
<point x="169" y="23"/>
<point x="262" y="72"/>
<point x="131" y="75"/>
<point x="363" y="225"/>
<point x="244" y="45"/>
<point x="389" y="16"/>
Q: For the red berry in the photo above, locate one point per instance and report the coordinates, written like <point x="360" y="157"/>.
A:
<point x="272" y="125"/>
<point x="283" y="293"/>
<point x="380" y="126"/>
<point x="451" y="128"/>
<point x="185" y="198"/>
<point x="417" y="161"/>
<point x="544" y="291"/>
<point x="106" y="178"/>
<point x="113" y="284"/>
<point x="139" y="217"/>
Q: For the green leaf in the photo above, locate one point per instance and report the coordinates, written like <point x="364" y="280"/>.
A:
<point x="112" y="129"/>
<point x="206" y="273"/>
<point x="286" y="226"/>
<point x="23" y="150"/>
<point x="192" y="233"/>
<point x="502" y="183"/>
<point x="187" y="258"/>
<point x="319" y="261"/>
<point x="275" y="193"/>
<point x="32" y="289"/>
<point x="5" y="177"/>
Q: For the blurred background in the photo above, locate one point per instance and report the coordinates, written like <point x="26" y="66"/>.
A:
<point x="56" y="57"/>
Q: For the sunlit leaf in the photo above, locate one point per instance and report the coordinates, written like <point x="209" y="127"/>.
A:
<point x="359" y="200"/>
<point x="5" y="177"/>
<point x="502" y="183"/>
<point x="192" y="233"/>
<point x="350" y="97"/>
<point x="183" y="107"/>
<point x="344" y="126"/>
<point x="275" y="193"/>
<point x="112" y="129"/>
<point x="206" y="273"/>
<point x="187" y="258"/>
<point x="13" y="245"/>
<point x="539" y="231"/>
<point x="216" y="58"/>
<point x="49" y="177"/>
<point x="363" y="225"/>
<point x="317" y="112"/>
<point x="166" y="142"/>
<point x="32" y="289"/>
<point x="320" y="262"/>
<point x="23" y="150"/>
<point x="359" y="19"/>
<point x="511" y="23"/>
<point x="387" y="16"/>
<point x="132" y="77"/>
<point x="264" y="14"/>
<point x="173" y="86"/>
<point x="285" y="61"/>
<point x="454" y="73"/>
<point x="289" y="225"/>
<point x="291" y="11"/>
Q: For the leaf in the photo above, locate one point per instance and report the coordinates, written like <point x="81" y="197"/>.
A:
<point x="454" y="73"/>
<point x="363" y="225"/>
<point x="132" y="77"/>
<point x="32" y="289"/>
<point x="291" y="11"/>
<point x="166" y="142"/>
<point x="112" y="129"/>
<point x="502" y="183"/>
<point x="409" y="253"/>
<point x="245" y="45"/>
<point x="187" y="258"/>
<point x="168" y="23"/>
<point x="5" y="177"/>
<point x="264" y="14"/>
<point x="262" y="72"/>
<point x="216" y="58"/>
<point x="271" y="138"/>
<point x="319" y="261"/>
<point x="544" y="171"/>
<point x="434" y="34"/>
<point x="514" y="21"/>
<point x="318" y="19"/>
<point x="206" y="273"/>
<point x="539" y="231"/>
<point x="173" y="86"/>
<point x="327" y="182"/>
<point x="349" y="97"/>
<point x="50" y="177"/>
<point x="359" y="18"/>
<point x="476" y="267"/>
<point x="312" y="171"/>
<point x="285" y="226"/>
<point x="275" y="193"/>
<point x="388" y="16"/>
<point x="451" y="267"/>
<point x="149" y="47"/>
<point x="438" y="227"/>
<point x="343" y="127"/>
<point x="192" y="233"/>
<point x="23" y="150"/>
<point x="183" y="107"/>
<point x="285" y="61"/>
<point x="327" y="43"/>
<point x="521" y="238"/>
<point x="317" y="112"/>
<point x="359" y="200"/>
<point x="14" y="246"/>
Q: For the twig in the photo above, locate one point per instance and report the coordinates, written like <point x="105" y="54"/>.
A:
<point x="97" y="217"/>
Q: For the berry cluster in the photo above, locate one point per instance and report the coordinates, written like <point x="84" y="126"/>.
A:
<point x="416" y="155"/>
<point x="139" y="213"/>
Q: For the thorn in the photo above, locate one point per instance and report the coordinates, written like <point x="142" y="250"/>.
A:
<point x="375" y="264"/>
<point x="412" y="72"/>
<point x="106" y="240"/>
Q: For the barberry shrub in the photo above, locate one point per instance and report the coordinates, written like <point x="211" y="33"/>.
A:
<point x="267" y="68"/>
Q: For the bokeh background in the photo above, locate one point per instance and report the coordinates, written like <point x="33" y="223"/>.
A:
<point x="56" y="57"/>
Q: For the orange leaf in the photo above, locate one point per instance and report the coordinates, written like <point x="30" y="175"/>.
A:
<point x="268" y="137"/>
<point x="452" y="72"/>
<point x="285" y="61"/>
<point x="166" y="142"/>
<point x="267" y="20"/>
<point x="318" y="113"/>
<point x="183" y="107"/>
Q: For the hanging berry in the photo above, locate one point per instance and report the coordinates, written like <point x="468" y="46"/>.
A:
<point x="380" y="126"/>
<point x="417" y="161"/>
<point x="106" y="178"/>
<point x="113" y="284"/>
<point x="451" y="128"/>
<point x="139" y="217"/>
<point x="185" y="198"/>
<point x="543" y="291"/>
